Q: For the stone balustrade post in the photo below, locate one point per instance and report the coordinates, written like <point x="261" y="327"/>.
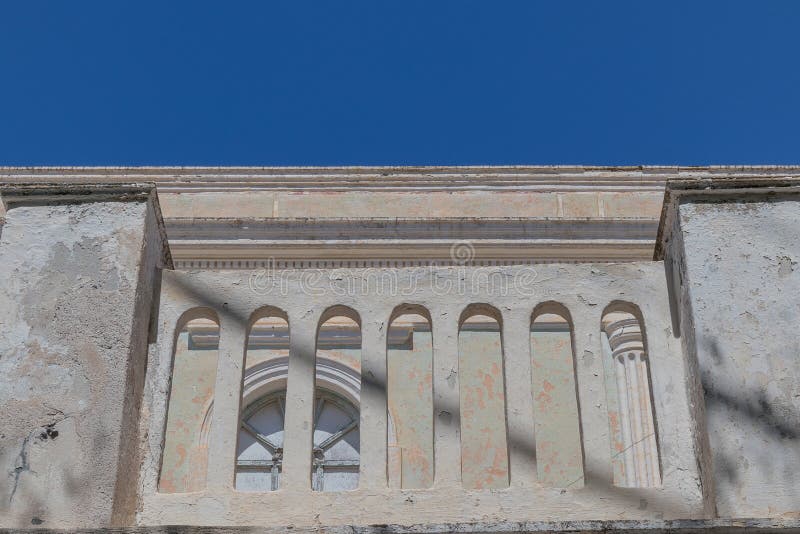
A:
<point x="519" y="401"/>
<point x="590" y="376"/>
<point x="299" y="420"/>
<point x="446" y="413"/>
<point x="374" y="407"/>
<point x="227" y="399"/>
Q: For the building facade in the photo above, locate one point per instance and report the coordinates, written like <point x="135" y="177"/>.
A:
<point x="481" y="349"/>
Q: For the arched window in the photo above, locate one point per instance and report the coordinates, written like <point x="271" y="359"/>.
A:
<point x="410" y="398"/>
<point x="559" y="453"/>
<point x="259" y="451"/>
<point x="630" y="407"/>
<point x="484" y="449"/>
<point x="336" y="446"/>
<point x="194" y="370"/>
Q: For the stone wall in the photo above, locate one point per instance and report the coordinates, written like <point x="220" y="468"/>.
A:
<point x="77" y="280"/>
<point x="734" y="249"/>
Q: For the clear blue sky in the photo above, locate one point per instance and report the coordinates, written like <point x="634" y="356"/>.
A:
<point x="399" y="82"/>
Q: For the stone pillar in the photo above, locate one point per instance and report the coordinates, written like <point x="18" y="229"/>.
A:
<point x="374" y="411"/>
<point x="79" y="270"/>
<point x="732" y="253"/>
<point x="519" y="401"/>
<point x="227" y="398"/>
<point x="298" y="427"/>
<point x="446" y="401"/>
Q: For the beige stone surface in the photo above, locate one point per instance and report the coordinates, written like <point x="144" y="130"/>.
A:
<point x="416" y="204"/>
<point x="625" y="204"/>
<point x="233" y="204"/>
<point x="76" y="288"/>
<point x="734" y="251"/>
<point x="591" y="288"/>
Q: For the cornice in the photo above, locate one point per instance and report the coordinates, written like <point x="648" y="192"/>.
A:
<point x="302" y="243"/>
<point x="544" y="178"/>
<point x="24" y="194"/>
<point x="717" y="189"/>
<point x="17" y="194"/>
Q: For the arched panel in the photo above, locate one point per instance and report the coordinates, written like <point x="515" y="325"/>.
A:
<point x="410" y="398"/>
<point x="336" y="446"/>
<point x="630" y="407"/>
<point x="259" y="451"/>
<point x="484" y="444"/>
<point x="194" y="370"/>
<point x="559" y="452"/>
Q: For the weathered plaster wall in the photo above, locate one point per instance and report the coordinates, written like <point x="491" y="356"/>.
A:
<point x="76" y="287"/>
<point x="484" y="445"/>
<point x="559" y="453"/>
<point x="410" y="398"/>
<point x="739" y="271"/>
<point x="584" y="290"/>
<point x="185" y="459"/>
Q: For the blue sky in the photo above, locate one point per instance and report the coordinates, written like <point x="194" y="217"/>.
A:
<point x="399" y="82"/>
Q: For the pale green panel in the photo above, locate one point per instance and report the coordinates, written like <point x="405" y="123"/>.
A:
<point x="484" y="448"/>
<point x="559" y="453"/>
<point x="185" y="452"/>
<point x="411" y="410"/>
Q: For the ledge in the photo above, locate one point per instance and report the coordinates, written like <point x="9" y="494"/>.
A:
<point x="238" y="243"/>
<point x="548" y="178"/>
<point x="14" y="195"/>
<point x="717" y="189"/>
<point x="678" y="526"/>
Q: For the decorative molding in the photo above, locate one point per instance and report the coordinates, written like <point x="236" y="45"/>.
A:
<point x="355" y="243"/>
<point x="18" y="194"/>
<point x="15" y="194"/>
<point x="545" y="178"/>
<point x="718" y="189"/>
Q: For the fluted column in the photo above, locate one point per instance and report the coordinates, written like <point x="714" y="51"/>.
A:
<point x="633" y="389"/>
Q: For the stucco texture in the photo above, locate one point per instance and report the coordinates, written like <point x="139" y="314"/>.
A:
<point x="740" y="268"/>
<point x="76" y="283"/>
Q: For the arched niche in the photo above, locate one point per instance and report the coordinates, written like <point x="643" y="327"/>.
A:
<point x="409" y="355"/>
<point x="631" y="417"/>
<point x="259" y="445"/>
<point x="336" y="440"/>
<point x="484" y="443"/>
<point x="184" y="461"/>
<point x="559" y="451"/>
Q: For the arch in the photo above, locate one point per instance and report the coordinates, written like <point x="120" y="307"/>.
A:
<point x="409" y="361"/>
<point x="483" y="309"/>
<point x="559" y="449"/>
<point x="338" y="310"/>
<point x="259" y="444"/>
<point x="336" y="445"/>
<point x="195" y="357"/>
<point x="267" y="353"/>
<point x="632" y="422"/>
<point x="484" y="440"/>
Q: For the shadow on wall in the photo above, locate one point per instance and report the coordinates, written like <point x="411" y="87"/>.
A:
<point x="42" y="509"/>
<point x="599" y="483"/>
<point x="779" y="427"/>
